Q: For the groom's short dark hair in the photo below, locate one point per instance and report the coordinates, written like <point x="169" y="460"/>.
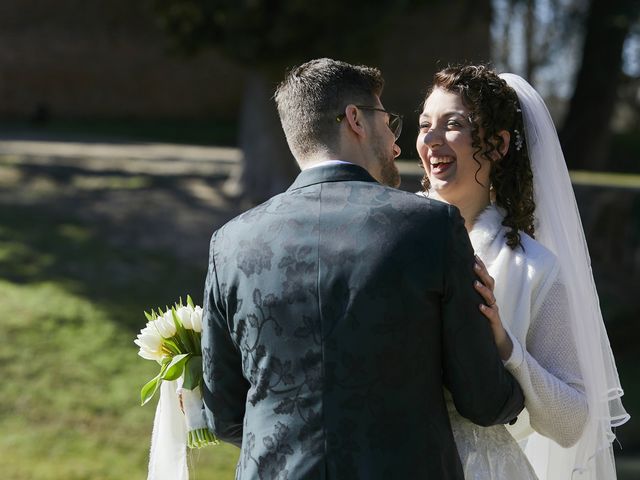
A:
<point x="313" y="94"/>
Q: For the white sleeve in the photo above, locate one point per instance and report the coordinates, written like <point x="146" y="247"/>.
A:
<point x="549" y="373"/>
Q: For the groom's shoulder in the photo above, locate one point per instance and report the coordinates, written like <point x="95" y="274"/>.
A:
<point x="393" y="201"/>
<point x="247" y="219"/>
<point x="406" y="203"/>
<point x="422" y="204"/>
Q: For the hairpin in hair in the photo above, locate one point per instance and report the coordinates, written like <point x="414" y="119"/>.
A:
<point x="519" y="140"/>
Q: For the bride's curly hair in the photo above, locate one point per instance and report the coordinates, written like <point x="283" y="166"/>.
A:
<point x="493" y="106"/>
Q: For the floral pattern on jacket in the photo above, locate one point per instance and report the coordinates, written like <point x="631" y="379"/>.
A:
<point x="334" y="313"/>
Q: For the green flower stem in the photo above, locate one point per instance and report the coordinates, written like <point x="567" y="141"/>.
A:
<point x="201" y="438"/>
<point x="179" y="345"/>
<point x="195" y="339"/>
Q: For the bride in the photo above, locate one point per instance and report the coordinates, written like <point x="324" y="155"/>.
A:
<point x="489" y="146"/>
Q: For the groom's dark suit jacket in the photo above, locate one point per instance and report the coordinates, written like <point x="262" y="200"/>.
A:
<point x="334" y="315"/>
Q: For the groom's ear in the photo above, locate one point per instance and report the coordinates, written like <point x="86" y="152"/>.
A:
<point x="354" y="120"/>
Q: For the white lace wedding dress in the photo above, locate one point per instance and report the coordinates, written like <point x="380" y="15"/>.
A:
<point x="533" y="304"/>
<point x="488" y="453"/>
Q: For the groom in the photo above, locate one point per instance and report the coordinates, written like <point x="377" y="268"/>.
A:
<point x="336" y="312"/>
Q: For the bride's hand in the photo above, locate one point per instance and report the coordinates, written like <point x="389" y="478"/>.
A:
<point x="485" y="287"/>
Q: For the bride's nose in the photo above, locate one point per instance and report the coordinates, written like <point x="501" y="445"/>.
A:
<point x="433" y="138"/>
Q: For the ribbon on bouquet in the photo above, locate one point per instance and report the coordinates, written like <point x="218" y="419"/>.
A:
<point x="168" y="456"/>
<point x="171" y="427"/>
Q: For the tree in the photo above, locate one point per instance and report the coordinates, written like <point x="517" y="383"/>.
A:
<point x="267" y="36"/>
<point x="531" y="35"/>
<point x="405" y="37"/>
<point x="586" y="131"/>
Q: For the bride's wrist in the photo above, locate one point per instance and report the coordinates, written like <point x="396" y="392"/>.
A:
<point x="505" y="346"/>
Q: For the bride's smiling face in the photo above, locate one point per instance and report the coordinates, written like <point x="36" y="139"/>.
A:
<point x="444" y="144"/>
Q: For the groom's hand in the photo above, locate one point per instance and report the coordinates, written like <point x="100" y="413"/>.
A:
<point x="490" y="309"/>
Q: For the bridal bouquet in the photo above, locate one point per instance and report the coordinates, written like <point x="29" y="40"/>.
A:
<point x="172" y="338"/>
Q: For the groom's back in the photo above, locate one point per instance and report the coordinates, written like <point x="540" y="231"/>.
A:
<point x="332" y="294"/>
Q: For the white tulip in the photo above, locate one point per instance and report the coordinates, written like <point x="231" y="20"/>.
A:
<point x="165" y="325"/>
<point x="196" y="319"/>
<point x="150" y="343"/>
<point x="184" y="314"/>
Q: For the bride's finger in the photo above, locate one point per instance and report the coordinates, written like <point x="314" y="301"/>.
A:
<point x="483" y="273"/>
<point x="486" y="292"/>
<point x="493" y="315"/>
<point x="490" y="312"/>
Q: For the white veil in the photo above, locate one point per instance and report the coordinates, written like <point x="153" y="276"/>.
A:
<point x="558" y="227"/>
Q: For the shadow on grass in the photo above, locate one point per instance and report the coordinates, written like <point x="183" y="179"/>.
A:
<point x="37" y="245"/>
<point x="126" y="242"/>
<point x="188" y="131"/>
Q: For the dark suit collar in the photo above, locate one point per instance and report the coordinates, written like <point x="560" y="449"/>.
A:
<point x="338" y="172"/>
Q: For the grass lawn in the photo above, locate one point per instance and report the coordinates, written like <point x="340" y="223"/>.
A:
<point x="69" y="399"/>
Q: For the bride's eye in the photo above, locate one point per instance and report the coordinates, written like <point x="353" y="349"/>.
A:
<point x="424" y="126"/>
<point x="454" y="123"/>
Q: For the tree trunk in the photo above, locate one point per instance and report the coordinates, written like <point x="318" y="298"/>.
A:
<point x="586" y="131"/>
<point x="267" y="167"/>
<point x="529" y="40"/>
